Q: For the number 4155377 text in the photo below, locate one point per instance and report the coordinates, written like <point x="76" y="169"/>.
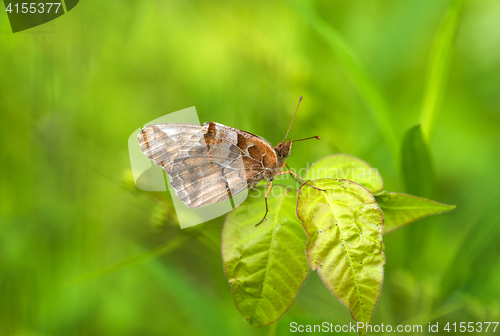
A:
<point x="33" y="7"/>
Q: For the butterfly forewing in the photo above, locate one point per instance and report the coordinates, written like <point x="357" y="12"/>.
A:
<point x="207" y="164"/>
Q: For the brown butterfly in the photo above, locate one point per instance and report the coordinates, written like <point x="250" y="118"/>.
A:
<point x="213" y="162"/>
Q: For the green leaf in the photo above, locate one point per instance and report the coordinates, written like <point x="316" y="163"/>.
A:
<point x="418" y="170"/>
<point x="265" y="264"/>
<point x="344" y="225"/>
<point x="342" y="166"/>
<point x="402" y="209"/>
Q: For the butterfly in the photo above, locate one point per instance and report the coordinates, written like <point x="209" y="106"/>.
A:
<point x="212" y="162"/>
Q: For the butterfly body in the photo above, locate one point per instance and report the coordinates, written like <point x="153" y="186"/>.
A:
<point x="212" y="162"/>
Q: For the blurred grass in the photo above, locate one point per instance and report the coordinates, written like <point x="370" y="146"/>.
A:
<point x="170" y="246"/>
<point x="352" y="63"/>
<point x="72" y="91"/>
<point x="439" y="67"/>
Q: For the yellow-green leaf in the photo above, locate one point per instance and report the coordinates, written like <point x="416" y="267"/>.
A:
<point x="342" y="166"/>
<point x="402" y="209"/>
<point x="265" y="264"/>
<point x="344" y="225"/>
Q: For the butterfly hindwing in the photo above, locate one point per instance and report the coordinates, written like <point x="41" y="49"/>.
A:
<point x="161" y="142"/>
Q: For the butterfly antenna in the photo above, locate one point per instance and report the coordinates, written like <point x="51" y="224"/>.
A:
<point x="314" y="137"/>
<point x="300" y="99"/>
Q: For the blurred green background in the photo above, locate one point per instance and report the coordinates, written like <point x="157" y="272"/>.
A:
<point x="83" y="252"/>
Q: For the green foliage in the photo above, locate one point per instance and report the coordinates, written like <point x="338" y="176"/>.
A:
<point x="344" y="222"/>
<point x="402" y="209"/>
<point x="344" y="225"/>
<point x="265" y="264"/>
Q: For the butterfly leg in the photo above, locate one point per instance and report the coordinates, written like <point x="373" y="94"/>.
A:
<point x="288" y="167"/>
<point x="309" y="184"/>
<point x="265" y="199"/>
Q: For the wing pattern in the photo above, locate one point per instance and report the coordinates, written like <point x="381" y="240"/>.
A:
<point x="206" y="164"/>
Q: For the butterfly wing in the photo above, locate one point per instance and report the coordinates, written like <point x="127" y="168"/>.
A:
<point x="161" y="142"/>
<point x="206" y="164"/>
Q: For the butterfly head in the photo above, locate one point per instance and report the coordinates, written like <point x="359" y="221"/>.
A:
<point x="283" y="149"/>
